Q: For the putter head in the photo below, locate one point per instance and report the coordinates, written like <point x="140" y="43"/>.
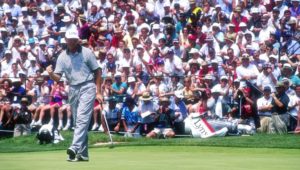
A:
<point x="111" y="145"/>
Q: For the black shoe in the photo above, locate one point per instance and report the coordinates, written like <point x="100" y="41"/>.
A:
<point x="72" y="154"/>
<point x="81" y="158"/>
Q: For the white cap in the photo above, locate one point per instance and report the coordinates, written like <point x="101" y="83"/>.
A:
<point x="254" y="10"/>
<point x="242" y="24"/>
<point x="144" y="25"/>
<point x="131" y="79"/>
<point x="66" y="19"/>
<point x="24" y="9"/>
<point x="156" y="26"/>
<point x="1" y="42"/>
<point x="287" y="65"/>
<point x="139" y="46"/>
<point x="118" y="74"/>
<point x="273" y="56"/>
<point x="17" y="38"/>
<point x="40" y="18"/>
<point x="7" y="52"/>
<point x="283" y="58"/>
<point x="72" y="34"/>
<point x="3" y="29"/>
<point x="216" y="25"/>
<point x="193" y="51"/>
<point x="214" y="61"/>
<point x="7" y="11"/>
<point x="224" y="77"/>
<point x="42" y="42"/>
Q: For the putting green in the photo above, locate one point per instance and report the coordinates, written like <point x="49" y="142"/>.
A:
<point x="158" y="157"/>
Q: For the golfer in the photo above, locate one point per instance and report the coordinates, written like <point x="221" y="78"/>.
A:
<point x="80" y="67"/>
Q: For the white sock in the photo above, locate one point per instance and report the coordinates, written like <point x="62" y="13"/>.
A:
<point x="60" y="123"/>
<point x="69" y="121"/>
<point x="51" y="121"/>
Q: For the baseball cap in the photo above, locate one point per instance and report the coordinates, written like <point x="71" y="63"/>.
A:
<point x="72" y="34"/>
<point x="155" y="27"/>
<point x="267" y="88"/>
<point x="279" y="84"/>
<point x="139" y="46"/>
<point x="131" y="79"/>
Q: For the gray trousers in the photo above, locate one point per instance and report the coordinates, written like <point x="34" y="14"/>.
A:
<point x="82" y="98"/>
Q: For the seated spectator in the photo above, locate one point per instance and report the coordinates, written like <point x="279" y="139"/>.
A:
<point x="97" y="108"/>
<point x="279" y="110"/>
<point x="135" y="88"/>
<point x="181" y="111"/>
<point x="56" y="94"/>
<point x="118" y="88"/>
<point x="41" y="99"/>
<point x="218" y="107"/>
<point x="146" y="108"/>
<point x="164" y="119"/>
<point x="22" y="119"/>
<point x="264" y="106"/>
<point x="245" y="111"/>
<point x="64" y="108"/>
<point x="131" y="118"/>
<point x="266" y="78"/>
<point x="112" y="115"/>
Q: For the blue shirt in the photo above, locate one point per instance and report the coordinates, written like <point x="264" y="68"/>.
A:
<point x="117" y="87"/>
<point x="131" y="117"/>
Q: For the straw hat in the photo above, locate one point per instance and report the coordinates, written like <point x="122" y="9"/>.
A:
<point x="146" y="96"/>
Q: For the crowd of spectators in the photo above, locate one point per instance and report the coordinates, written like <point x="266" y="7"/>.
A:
<point x="161" y="60"/>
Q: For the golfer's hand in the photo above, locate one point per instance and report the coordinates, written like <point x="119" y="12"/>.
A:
<point x="49" y="69"/>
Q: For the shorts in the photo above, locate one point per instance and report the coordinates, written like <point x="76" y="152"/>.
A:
<point x="162" y="131"/>
<point x="59" y="103"/>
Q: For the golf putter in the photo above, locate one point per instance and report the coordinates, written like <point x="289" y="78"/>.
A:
<point x="110" y="137"/>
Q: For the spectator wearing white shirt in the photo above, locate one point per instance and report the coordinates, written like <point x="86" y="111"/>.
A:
<point x="266" y="78"/>
<point x="135" y="88"/>
<point x="264" y="107"/>
<point x="247" y="71"/>
<point x="146" y="107"/>
<point x="173" y="63"/>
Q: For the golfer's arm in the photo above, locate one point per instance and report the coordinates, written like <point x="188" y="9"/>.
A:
<point x="54" y="76"/>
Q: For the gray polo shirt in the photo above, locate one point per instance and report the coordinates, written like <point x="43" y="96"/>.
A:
<point x="78" y="67"/>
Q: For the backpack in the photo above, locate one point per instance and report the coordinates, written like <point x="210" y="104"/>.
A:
<point x="49" y="134"/>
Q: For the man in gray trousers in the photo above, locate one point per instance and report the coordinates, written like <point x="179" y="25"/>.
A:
<point x="83" y="73"/>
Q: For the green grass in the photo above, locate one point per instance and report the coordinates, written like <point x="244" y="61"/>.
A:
<point x="29" y="143"/>
<point x="250" y="152"/>
<point x="159" y="157"/>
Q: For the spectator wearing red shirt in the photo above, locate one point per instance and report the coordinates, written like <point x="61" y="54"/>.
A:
<point x="117" y="37"/>
<point x="237" y="18"/>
